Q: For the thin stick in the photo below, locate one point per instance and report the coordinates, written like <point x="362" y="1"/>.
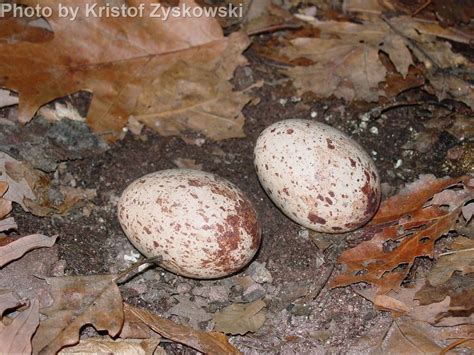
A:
<point x="274" y="28"/>
<point x="453" y="345"/>
<point x="422" y="7"/>
<point x="154" y="260"/>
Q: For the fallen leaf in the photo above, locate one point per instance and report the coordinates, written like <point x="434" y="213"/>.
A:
<point x="31" y="188"/>
<point x="190" y="310"/>
<point x="15" y="337"/>
<point x="240" y="318"/>
<point x="411" y="198"/>
<point x="459" y="291"/>
<point x="206" y="342"/>
<point x="390" y="303"/>
<point x="452" y="12"/>
<point x="78" y="301"/>
<point x="6" y="99"/>
<point x="349" y="66"/>
<point x="19" y="247"/>
<point x="170" y="74"/>
<point x="109" y="346"/>
<point x="13" y="173"/>
<point x="5" y="205"/>
<point x="184" y="163"/>
<point x="386" y="259"/>
<point x="435" y="310"/>
<point x="8" y="301"/>
<point x="346" y="56"/>
<point x="7" y="224"/>
<point x="460" y="258"/>
<point x="405" y="336"/>
<point x="451" y="87"/>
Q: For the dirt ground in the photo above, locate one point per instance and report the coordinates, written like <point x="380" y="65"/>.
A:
<point x="290" y="268"/>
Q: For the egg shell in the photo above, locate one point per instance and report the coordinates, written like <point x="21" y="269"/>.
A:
<point x="202" y="225"/>
<point x="318" y="176"/>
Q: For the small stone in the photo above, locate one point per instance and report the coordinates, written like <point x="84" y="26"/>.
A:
<point x="183" y="288"/>
<point x="303" y="233"/>
<point x="218" y="294"/>
<point x="254" y="293"/>
<point x="374" y="130"/>
<point x="299" y="310"/>
<point x="259" y="273"/>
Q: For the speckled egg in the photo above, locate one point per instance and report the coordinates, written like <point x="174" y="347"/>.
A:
<point x="202" y="225"/>
<point x="317" y="175"/>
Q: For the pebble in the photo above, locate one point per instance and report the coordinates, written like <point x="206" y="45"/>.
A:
<point x="259" y="273"/>
<point x="254" y="293"/>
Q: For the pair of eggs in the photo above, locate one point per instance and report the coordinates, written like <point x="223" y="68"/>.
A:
<point x="203" y="226"/>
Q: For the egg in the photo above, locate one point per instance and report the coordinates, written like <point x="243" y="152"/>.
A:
<point x="200" y="224"/>
<point x="318" y="176"/>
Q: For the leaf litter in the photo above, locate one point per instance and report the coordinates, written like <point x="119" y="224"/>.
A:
<point x="171" y="75"/>
<point x="433" y="206"/>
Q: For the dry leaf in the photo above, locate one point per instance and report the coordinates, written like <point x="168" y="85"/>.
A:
<point x="5" y="205"/>
<point x="184" y="163"/>
<point x="457" y="293"/>
<point x="13" y="173"/>
<point x="19" y="247"/>
<point x="190" y="310"/>
<point x="240" y="318"/>
<point x="15" y="337"/>
<point x="6" y="99"/>
<point x="8" y="301"/>
<point x="133" y="67"/>
<point x="7" y="224"/>
<point x="31" y="188"/>
<point x="434" y="310"/>
<point x="206" y="342"/>
<point x="386" y="259"/>
<point x="78" y="301"/>
<point x="405" y="336"/>
<point x="191" y="92"/>
<point x="411" y="198"/>
<point x="109" y="346"/>
<point x="346" y="56"/>
<point x="461" y="258"/>
<point x="346" y="59"/>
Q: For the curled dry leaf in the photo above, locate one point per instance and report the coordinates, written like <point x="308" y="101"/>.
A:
<point x="78" y="301"/>
<point x="170" y="74"/>
<point x="19" y="247"/>
<point x="434" y="306"/>
<point x="460" y="258"/>
<point x="109" y="346"/>
<point x="7" y="224"/>
<point x="206" y="342"/>
<point x="406" y="227"/>
<point x="15" y="337"/>
<point x="345" y="56"/>
<point x="240" y="318"/>
<point x="406" y="336"/>
<point x="6" y="99"/>
<point x="31" y="188"/>
<point x="5" y="205"/>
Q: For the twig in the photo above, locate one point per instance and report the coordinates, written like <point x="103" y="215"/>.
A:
<point x="155" y="260"/>
<point x="454" y="344"/>
<point x="274" y="28"/>
<point x="323" y="282"/>
<point x="428" y="60"/>
<point x="422" y="7"/>
<point x="377" y="111"/>
<point x="456" y="251"/>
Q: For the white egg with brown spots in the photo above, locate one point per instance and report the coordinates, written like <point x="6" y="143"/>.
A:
<point x="200" y="224"/>
<point x="318" y="176"/>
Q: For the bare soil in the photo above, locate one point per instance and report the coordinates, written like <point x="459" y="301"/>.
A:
<point x="303" y="314"/>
